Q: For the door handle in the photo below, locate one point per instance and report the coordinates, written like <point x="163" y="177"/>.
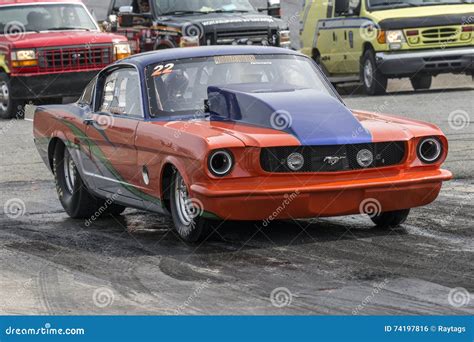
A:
<point x="334" y="37"/>
<point x="89" y="122"/>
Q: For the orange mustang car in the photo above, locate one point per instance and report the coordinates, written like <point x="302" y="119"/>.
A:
<point x="233" y="133"/>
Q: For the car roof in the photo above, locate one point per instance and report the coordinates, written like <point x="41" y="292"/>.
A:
<point x="25" y="2"/>
<point x="152" y="57"/>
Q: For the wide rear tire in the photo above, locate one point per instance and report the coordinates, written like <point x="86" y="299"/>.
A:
<point x="391" y="219"/>
<point x="73" y="193"/>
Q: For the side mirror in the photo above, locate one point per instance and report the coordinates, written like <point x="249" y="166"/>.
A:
<point x="342" y="6"/>
<point x="273" y="8"/>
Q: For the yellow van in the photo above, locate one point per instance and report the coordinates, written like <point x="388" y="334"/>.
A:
<point x="371" y="41"/>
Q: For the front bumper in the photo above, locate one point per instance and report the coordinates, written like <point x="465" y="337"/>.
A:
<point x="281" y="198"/>
<point x="32" y="87"/>
<point x="402" y="64"/>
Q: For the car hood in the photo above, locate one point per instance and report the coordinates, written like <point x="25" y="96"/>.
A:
<point x="311" y="116"/>
<point x="224" y="21"/>
<point x="65" y="38"/>
<point x="410" y="17"/>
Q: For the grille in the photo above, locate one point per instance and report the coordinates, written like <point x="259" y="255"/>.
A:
<point x="230" y="37"/>
<point x="75" y="58"/>
<point x="440" y="35"/>
<point x="274" y="159"/>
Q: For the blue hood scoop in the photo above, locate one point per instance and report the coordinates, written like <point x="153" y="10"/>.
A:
<point x="313" y="117"/>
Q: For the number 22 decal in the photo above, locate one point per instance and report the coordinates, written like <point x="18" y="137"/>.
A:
<point x="161" y="70"/>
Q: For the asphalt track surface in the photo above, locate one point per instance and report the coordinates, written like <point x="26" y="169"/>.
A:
<point x="136" y="264"/>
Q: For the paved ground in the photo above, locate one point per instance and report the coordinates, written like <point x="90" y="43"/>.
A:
<point x="51" y="264"/>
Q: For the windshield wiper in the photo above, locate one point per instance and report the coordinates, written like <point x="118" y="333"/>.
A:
<point x="398" y="3"/>
<point x="182" y="12"/>
<point x="67" y="28"/>
<point x="228" y="11"/>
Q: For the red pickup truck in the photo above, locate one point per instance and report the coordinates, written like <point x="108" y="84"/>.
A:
<point x="50" y="49"/>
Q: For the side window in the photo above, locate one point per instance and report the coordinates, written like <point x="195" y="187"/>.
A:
<point x="88" y="95"/>
<point x="121" y="93"/>
<point x="347" y="7"/>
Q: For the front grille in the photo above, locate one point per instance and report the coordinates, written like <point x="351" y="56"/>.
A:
<point x="75" y="58"/>
<point x="440" y="35"/>
<point x="274" y="159"/>
<point x="239" y="37"/>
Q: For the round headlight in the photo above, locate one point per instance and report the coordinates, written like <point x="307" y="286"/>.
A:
<point x="220" y="163"/>
<point x="295" y="161"/>
<point x="430" y="150"/>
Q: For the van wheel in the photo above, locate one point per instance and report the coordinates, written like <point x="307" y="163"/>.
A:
<point x="9" y="108"/>
<point x="73" y="193"/>
<point x="421" y="81"/>
<point x="186" y="212"/>
<point x="391" y="219"/>
<point x="375" y="83"/>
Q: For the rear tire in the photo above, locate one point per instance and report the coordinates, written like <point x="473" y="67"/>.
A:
<point x="375" y="83"/>
<point x="421" y="82"/>
<point x="391" y="219"/>
<point x="9" y="108"/>
<point x="73" y="193"/>
<point x="187" y="212"/>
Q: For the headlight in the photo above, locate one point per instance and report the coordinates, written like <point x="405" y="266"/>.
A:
<point x="122" y="50"/>
<point x="220" y="163"/>
<point x="395" y="36"/>
<point x="24" y="58"/>
<point x="430" y="150"/>
<point x="189" y="41"/>
<point x="284" y="38"/>
<point x="395" y="39"/>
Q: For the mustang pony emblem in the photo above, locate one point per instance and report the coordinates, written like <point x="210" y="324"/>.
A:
<point x="333" y="160"/>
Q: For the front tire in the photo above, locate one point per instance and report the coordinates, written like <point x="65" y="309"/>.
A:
<point x="375" y="83"/>
<point x="9" y="108"/>
<point x="187" y="212"/>
<point x="73" y="193"/>
<point x="421" y="82"/>
<point x="391" y="219"/>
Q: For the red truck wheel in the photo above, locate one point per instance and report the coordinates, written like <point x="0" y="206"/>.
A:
<point x="9" y="108"/>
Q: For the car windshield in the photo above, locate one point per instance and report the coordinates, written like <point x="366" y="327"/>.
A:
<point x="201" y="6"/>
<point x="181" y="87"/>
<point x="388" y="4"/>
<point x="44" y="17"/>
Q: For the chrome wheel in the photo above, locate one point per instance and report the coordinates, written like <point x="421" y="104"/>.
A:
<point x="184" y="204"/>
<point x="69" y="171"/>
<point x="4" y="96"/>
<point x="368" y="73"/>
